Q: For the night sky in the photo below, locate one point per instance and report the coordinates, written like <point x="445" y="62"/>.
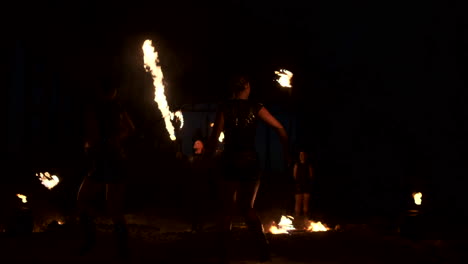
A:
<point x="378" y="93"/>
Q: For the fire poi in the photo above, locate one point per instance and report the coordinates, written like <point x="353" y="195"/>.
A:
<point x="48" y="180"/>
<point x="417" y="196"/>
<point x="151" y="65"/>
<point x="284" y="78"/>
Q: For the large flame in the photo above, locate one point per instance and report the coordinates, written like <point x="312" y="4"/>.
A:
<point x="49" y="181"/>
<point x="283" y="226"/>
<point x="417" y="196"/>
<point x="22" y="197"/>
<point x="221" y="137"/>
<point x="151" y="64"/>
<point x="284" y="78"/>
<point x="286" y="225"/>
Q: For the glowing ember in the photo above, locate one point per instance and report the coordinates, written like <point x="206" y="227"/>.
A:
<point x="284" y="78"/>
<point x="22" y="197"/>
<point x="49" y="181"/>
<point x="150" y="64"/>
<point x="221" y="136"/>
<point x="286" y="225"/>
<point x="417" y="198"/>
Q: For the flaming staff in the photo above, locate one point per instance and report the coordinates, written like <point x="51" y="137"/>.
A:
<point x="151" y="65"/>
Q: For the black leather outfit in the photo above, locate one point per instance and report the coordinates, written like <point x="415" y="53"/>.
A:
<point x="240" y="160"/>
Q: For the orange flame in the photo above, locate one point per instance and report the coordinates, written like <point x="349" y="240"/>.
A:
<point x="417" y="196"/>
<point x="151" y="65"/>
<point x="49" y="181"/>
<point x="286" y="225"/>
<point x="283" y="226"/>
<point x="284" y="78"/>
<point x="22" y="197"/>
<point x="221" y="136"/>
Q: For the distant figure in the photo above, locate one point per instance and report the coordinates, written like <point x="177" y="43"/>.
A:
<point x="200" y="183"/>
<point x="238" y="118"/>
<point x="303" y="176"/>
<point x="107" y="130"/>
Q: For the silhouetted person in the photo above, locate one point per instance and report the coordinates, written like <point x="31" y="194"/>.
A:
<point x="303" y="176"/>
<point x="201" y="185"/>
<point x="107" y="129"/>
<point x="238" y="117"/>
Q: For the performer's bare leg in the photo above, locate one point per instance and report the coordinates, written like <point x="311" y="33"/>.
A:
<point x="86" y="200"/>
<point x="247" y="194"/>
<point x="305" y="208"/>
<point x="115" y="194"/>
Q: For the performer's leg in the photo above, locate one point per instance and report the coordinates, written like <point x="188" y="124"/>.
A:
<point x="87" y="197"/>
<point x="246" y="199"/>
<point x="305" y="208"/>
<point x="299" y="197"/>
<point x="228" y="198"/>
<point x="115" y="194"/>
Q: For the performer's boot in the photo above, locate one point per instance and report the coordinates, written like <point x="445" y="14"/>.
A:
<point x="260" y="240"/>
<point x="121" y="235"/>
<point x="222" y="246"/>
<point x="88" y="228"/>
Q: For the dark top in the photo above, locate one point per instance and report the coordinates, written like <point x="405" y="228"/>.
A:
<point x="239" y="159"/>
<point x="240" y="124"/>
<point x="107" y="154"/>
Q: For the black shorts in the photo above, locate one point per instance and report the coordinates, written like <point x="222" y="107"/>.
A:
<point x="240" y="166"/>
<point x="109" y="170"/>
<point x="302" y="188"/>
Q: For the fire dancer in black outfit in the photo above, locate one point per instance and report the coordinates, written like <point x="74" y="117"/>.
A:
<point x="238" y="118"/>
<point x="107" y="128"/>
<point x="303" y="176"/>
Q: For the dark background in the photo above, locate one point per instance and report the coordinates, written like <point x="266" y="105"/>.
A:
<point x="378" y="90"/>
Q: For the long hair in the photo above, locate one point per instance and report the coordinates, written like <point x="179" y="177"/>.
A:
<point x="237" y="83"/>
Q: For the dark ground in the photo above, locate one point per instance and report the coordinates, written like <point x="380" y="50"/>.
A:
<point x="163" y="237"/>
<point x="157" y="215"/>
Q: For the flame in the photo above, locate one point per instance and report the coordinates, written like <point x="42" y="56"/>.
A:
<point x="417" y="198"/>
<point x="284" y="78"/>
<point x="286" y="225"/>
<point x="317" y="227"/>
<point x="22" y="197"/>
<point x="221" y="137"/>
<point x="150" y="64"/>
<point x="49" y="181"/>
<point x="283" y="226"/>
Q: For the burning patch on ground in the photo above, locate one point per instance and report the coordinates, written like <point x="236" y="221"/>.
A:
<point x="288" y="224"/>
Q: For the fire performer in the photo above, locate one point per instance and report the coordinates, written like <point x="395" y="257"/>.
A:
<point x="107" y="130"/>
<point x="303" y="176"/>
<point x="239" y="163"/>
